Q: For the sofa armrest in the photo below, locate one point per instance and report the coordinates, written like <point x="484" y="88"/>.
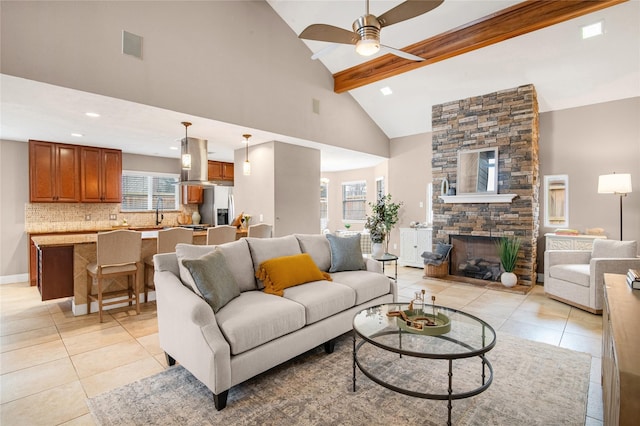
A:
<point x="373" y="265"/>
<point x="566" y="257"/>
<point x="189" y="332"/>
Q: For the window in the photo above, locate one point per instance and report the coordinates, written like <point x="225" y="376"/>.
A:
<point x="324" y="204"/>
<point x="354" y="200"/>
<point x="380" y="188"/>
<point x="144" y="191"/>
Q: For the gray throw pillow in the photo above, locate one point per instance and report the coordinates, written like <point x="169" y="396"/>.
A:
<point x="443" y="250"/>
<point x="214" y="280"/>
<point x="346" y="254"/>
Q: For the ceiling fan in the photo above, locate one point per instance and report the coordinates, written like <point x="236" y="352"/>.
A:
<point x="366" y="29"/>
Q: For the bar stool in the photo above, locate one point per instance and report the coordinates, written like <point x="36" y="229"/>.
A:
<point x="166" y="243"/>
<point x="261" y="230"/>
<point x="117" y="254"/>
<point x="221" y="234"/>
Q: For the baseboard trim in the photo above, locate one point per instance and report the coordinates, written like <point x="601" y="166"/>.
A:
<point x="13" y="279"/>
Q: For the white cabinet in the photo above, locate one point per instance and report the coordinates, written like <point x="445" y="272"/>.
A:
<point x="413" y="242"/>
<point x="570" y="242"/>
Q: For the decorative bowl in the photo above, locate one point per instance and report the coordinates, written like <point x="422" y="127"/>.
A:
<point x="420" y="322"/>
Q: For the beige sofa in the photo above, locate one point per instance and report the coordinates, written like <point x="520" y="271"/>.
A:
<point x="576" y="277"/>
<point x="257" y="331"/>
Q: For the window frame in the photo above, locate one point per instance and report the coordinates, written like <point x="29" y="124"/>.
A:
<point x="150" y="196"/>
<point x="363" y="200"/>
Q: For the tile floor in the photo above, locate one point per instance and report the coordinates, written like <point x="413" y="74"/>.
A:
<point x="51" y="361"/>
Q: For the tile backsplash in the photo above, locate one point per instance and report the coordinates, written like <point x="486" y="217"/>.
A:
<point x="65" y="217"/>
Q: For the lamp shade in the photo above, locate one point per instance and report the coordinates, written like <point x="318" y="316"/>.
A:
<point x="616" y="183"/>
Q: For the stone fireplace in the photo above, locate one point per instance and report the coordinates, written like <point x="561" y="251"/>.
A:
<point x="508" y="120"/>
<point x="475" y="257"/>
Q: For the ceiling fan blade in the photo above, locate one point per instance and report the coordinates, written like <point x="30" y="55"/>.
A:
<point x="400" y="53"/>
<point x="407" y="10"/>
<point x="323" y="32"/>
<point x="325" y="51"/>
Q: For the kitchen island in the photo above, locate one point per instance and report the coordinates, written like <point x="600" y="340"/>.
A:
<point x="61" y="264"/>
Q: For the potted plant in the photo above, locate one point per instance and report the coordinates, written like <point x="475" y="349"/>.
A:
<point x="508" y="248"/>
<point x="384" y="216"/>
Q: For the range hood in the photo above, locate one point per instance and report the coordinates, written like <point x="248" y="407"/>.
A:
<point x="194" y="167"/>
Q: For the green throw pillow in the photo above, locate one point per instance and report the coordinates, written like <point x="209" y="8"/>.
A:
<point x="213" y="278"/>
<point x="346" y="254"/>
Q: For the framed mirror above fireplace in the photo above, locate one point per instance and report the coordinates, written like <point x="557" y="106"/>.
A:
<point x="477" y="171"/>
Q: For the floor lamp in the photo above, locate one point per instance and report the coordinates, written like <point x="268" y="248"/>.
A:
<point x="619" y="184"/>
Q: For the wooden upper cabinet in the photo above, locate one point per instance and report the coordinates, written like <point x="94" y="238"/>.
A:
<point x="53" y="172"/>
<point x="219" y="170"/>
<point x="100" y="175"/>
<point x="192" y="194"/>
<point x="227" y="171"/>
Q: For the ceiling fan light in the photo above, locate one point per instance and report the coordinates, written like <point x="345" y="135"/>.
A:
<point x="367" y="47"/>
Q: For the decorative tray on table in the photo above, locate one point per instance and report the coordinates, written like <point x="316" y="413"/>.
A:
<point x="419" y="321"/>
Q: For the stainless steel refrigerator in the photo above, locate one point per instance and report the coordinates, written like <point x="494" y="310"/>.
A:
<point x="217" y="206"/>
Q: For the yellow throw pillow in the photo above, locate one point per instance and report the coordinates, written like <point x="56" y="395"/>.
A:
<point x="288" y="271"/>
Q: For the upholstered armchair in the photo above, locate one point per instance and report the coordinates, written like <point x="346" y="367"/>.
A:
<point x="576" y="277"/>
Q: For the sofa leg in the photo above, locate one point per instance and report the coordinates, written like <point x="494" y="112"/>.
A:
<point x="170" y="360"/>
<point x="329" y="346"/>
<point x="220" y="400"/>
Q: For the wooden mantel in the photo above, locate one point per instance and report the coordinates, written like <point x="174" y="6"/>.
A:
<point x="513" y="21"/>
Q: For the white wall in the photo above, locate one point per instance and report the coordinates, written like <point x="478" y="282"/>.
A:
<point x="232" y="61"/>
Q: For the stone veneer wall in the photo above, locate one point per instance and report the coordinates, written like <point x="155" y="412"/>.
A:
<point x="507" y="119"/>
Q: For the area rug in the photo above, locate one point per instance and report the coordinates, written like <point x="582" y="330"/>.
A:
<point x="534" y="384"/>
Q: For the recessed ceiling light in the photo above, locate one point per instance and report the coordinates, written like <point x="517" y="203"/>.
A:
<point x="92" y="114"/>
<point x="174" y="148"/>
<point x="592" y="30"/>
<point x="386" y="90"/>
<point x="77" y="135"/>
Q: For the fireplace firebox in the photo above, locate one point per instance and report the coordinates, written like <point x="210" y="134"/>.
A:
<point x="475" y="257"/>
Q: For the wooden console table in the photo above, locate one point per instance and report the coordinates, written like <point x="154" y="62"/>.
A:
<point x="620" y="352"/>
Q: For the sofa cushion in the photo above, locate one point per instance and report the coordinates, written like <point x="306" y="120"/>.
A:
<point x="614" y="249"/>
<point x="321" y="299"/>
<point x="346" y="254"/>
<point x="367" y="285"/>
<point x="288" y="271"/>
<point x="574" y="273"/>
<point x="213" y="279"/>
<point x="318" y="247"/>
<point x="267" y="248"/>
<point x="238" y="260"/>
<point x="256" y="318"/>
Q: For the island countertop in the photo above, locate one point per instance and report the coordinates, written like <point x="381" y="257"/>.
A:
<point x="67" y="239"/>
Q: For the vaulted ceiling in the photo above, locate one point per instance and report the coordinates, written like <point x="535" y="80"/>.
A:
<point x="471" y="47"/>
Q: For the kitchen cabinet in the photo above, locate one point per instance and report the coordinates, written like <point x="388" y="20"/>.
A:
<point x="192" y="194"/>
<point x="219" y="170"/>
<point x="54" y="274"/>
<point x="414" y="242"/>
<point x="53" y="172"/>
<point x="100" y="175"/>
<point x="620" y="349"/>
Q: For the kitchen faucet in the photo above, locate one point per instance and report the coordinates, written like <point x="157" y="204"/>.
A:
<point x="159" y="216"/>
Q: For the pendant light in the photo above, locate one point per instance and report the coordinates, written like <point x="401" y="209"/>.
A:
<point x="246" y="167"/>
<point x="186" y="157"/>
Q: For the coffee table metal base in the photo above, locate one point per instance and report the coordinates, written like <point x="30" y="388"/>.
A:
<point x="449" y="396"/>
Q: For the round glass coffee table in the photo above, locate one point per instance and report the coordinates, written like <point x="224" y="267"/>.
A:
<point x="393" y="352"/>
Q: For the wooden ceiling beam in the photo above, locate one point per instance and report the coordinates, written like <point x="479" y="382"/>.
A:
<point x="519" y="19"/>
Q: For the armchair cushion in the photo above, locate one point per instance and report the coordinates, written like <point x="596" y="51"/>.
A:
<point x="613" y="248"/>
<point x="578" y="274"/>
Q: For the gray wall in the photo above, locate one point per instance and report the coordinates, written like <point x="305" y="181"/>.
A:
<point x="232" y="61"/>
